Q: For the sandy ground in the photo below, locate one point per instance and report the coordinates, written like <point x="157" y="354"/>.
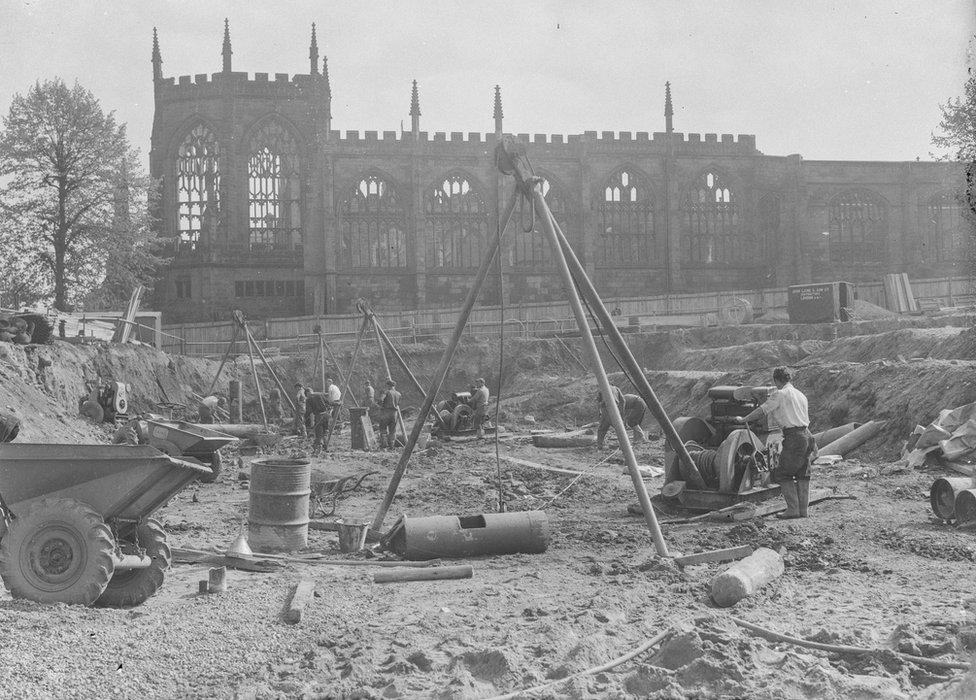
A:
<point x="874" y="571"/>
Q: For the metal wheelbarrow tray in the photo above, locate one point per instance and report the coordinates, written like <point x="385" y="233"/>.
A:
<point x="76" y="526"/>
<point x="195" y="442"/>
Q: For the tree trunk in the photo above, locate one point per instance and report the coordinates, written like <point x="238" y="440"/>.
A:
<point x="60" y="248"/>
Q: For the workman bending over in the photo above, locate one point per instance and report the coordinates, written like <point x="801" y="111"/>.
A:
<point x="479" y="402"/>
<point x="208" y="409"/>
<point x="787" y="408"/>
<point x="298" y="424"/>
<point x="388" y="404"/>
<point x="632" y="409"/>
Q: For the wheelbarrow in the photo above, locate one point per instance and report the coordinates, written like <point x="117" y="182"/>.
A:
<point x="189" y="441"/>
<point x="75" y="524"/>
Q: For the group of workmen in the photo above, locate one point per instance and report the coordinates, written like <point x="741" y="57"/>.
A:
<point x="317" y="413"/>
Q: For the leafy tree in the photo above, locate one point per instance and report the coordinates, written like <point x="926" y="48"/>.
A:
<point x="73" y="199"/>
<point x="957" y="136"/>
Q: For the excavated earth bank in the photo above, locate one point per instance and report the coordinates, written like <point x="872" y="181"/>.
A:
<point x="873" y="572"/>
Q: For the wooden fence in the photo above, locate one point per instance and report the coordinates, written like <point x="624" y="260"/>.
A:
<point x="289" y="335"/>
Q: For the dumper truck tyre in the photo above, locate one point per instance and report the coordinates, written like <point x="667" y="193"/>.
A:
<point x="134" y="586"/>
<point x="58" y="550"/>
<point x="216" y="465"/>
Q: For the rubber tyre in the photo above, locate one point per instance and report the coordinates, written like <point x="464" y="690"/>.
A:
<point x="134" y="586"/>
<point x="462" y="417"/>
<point x="58" y="550"/>
<point x="216" y="466"/>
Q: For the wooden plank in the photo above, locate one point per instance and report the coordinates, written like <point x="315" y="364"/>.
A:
<point x="369" y="437"/>
<point x="300" y="599"/>
<point x="727" y="554"/>
<point x="418" y="574"/>
<point x="535" y="465"/>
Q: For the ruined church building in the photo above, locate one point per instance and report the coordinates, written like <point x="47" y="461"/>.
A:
<point x="271" y="211"/>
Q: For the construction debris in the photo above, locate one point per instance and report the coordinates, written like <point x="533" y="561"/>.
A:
<point x="217" y="581"/>
<point x="576" y="438"/>
<point x="423" y="574"/>
<point x="300" y="599"/>
<point x="951" y="437"/>
<point x="716" y="555"/>
<point x="746" y="577"/>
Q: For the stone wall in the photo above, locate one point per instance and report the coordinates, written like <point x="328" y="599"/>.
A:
<point x="798" y="196"/>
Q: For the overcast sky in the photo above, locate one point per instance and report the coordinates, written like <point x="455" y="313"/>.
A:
<point x="852" y="79"/>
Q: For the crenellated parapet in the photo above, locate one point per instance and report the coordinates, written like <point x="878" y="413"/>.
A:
<point x="214" y="85"/>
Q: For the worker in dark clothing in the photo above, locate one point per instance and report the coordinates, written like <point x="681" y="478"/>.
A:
<point x="274" y="405"/>
<point x="317" y="406"/>
<point x="787" y="408"/>
<point x="632" y="409"/>
<point x="388" y="404"/>
<point x="479" y="402"/>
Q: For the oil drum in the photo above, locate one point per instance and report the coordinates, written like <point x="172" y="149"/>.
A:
<point x="278" y="511"/>
<point x="943" y="494"/>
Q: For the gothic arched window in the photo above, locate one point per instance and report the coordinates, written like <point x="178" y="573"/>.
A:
<point x="531" y="249"/>
<point x="712" y="233"/>
<point x="373" y="226"/>
<point x="197" y="187"/>
<point x="942" y="228"/>
<point x="274" y="190"/>
<point x="457" y="224"/>
<point x="858" y="228"/>
<point x="626" y="216"/>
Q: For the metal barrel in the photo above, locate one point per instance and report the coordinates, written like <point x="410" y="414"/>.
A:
<point x="473" y="535"/>
<point x="278" y="511"/>
<point x="943" y="494"/>
<point x="966" y="506"/>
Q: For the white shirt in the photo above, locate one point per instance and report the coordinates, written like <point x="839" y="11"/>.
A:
<point x="787" y="408"/>
<point x="335" y="396"/>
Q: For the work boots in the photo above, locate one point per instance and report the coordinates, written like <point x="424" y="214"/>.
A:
<point x="803" y="496"/>
<point x="792" y="498"/>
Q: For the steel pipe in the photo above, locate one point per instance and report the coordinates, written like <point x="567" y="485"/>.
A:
<point x="132" y="561"/>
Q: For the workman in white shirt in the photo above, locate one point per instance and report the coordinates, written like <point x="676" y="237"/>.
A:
<point x="786" y="407"/>
<point x="479" y="402"/>
<point x="334" y="395"/>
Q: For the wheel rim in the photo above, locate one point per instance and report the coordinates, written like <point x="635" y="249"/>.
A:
<point x="54" y="558"/>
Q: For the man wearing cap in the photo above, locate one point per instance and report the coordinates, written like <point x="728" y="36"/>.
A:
<point x="632" y="409"/>
<point x="388" y="404"/>
<point x="298" y="424"/>
<point x="786" y="407"/>
<point x="479" y="402"/>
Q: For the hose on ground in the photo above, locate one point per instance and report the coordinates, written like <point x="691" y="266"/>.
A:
<point x="845" y="649"/>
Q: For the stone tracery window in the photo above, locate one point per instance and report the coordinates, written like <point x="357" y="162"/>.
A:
<point x="531" y="249"/>
<point x="858" y="228"/>
<point x="712" y="234"/>
<point x="274" y="190"/>
<point x="626" y="214"/>
<point x="373" y="232"/>
<point x="942" y="228"/>
<point x="197" y="187"/>
<point x="457" y="221"/>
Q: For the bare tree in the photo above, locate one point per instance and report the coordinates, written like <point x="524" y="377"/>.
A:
<point x="63" y="164"/>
